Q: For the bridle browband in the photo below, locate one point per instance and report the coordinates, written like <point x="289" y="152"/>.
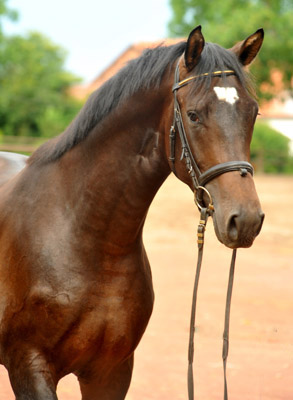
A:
<point x="199" y="180"/>
<point x="178" y="85"/>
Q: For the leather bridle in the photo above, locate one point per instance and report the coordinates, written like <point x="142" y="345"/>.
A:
<point x="199" y="180"/>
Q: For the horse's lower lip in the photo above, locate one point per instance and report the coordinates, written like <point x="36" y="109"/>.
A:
<point x="239" y="243"/>
<point x="242" y="243"/>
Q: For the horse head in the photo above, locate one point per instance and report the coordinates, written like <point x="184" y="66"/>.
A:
<point x="215" y="111"/>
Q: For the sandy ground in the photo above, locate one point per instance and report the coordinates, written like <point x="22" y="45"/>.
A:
<point x="260" y="364"/>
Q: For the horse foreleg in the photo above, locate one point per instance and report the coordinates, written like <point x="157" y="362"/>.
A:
<point x="31" y="378"/>
<point x="113" y="387"/>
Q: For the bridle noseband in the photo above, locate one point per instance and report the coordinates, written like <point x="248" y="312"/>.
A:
<point x="199" y="180"/>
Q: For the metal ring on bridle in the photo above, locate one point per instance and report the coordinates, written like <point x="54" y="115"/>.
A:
<point x="197" y="200"/>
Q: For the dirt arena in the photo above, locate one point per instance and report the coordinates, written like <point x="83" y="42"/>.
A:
<point x="260" y="364"/>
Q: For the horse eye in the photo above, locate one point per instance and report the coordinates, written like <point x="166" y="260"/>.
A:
<point x="193" y="116"/>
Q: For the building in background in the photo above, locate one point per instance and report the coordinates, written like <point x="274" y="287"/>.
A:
<point x="83" y="91"/>
<point x="278" y="112"/>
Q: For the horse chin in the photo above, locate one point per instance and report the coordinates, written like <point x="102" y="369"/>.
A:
<point x="245" y="243"/>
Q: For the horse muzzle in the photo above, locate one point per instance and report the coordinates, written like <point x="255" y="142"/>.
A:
<point x="237" y="216"/>
<point x="242" y="228"/>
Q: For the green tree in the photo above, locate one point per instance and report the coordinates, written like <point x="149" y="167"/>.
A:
<point x="270" y="150"/>
<point x="227" y="21"/>
<point x="34" y="98"/>
<point x="34" y="86"/>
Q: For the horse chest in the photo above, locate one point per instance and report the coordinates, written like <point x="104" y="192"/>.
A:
<point x="108" y="326"/>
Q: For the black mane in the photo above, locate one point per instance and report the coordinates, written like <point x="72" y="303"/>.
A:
<point x="144" y="72"/>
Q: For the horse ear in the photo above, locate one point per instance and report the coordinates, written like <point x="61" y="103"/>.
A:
<point x="194" y="47"/>
<point x="248" y="49"/>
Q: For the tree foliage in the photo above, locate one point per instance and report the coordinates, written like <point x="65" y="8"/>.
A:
<point x="34" y="99"/>
<point x="270" y="150"/>
<point x="228" y="21"/>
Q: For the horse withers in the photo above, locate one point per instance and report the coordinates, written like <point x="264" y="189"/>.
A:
<point x="76" y="287"/>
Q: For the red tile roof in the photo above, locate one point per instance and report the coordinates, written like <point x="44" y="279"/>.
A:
<point x="133" y="51"/>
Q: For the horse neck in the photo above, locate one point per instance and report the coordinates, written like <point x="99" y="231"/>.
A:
<point x="121" y="165"/>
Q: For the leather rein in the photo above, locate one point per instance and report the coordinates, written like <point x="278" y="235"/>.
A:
<point x="199" y="180"/>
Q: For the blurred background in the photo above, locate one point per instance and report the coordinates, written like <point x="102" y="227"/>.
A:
<point x="54" y="54"/>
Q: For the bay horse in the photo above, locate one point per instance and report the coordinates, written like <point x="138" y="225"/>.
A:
<point x="76" y="286"/>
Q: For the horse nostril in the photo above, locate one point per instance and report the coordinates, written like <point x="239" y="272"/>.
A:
<point x="244" y="229"/>
<point x="232" y="228"/>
